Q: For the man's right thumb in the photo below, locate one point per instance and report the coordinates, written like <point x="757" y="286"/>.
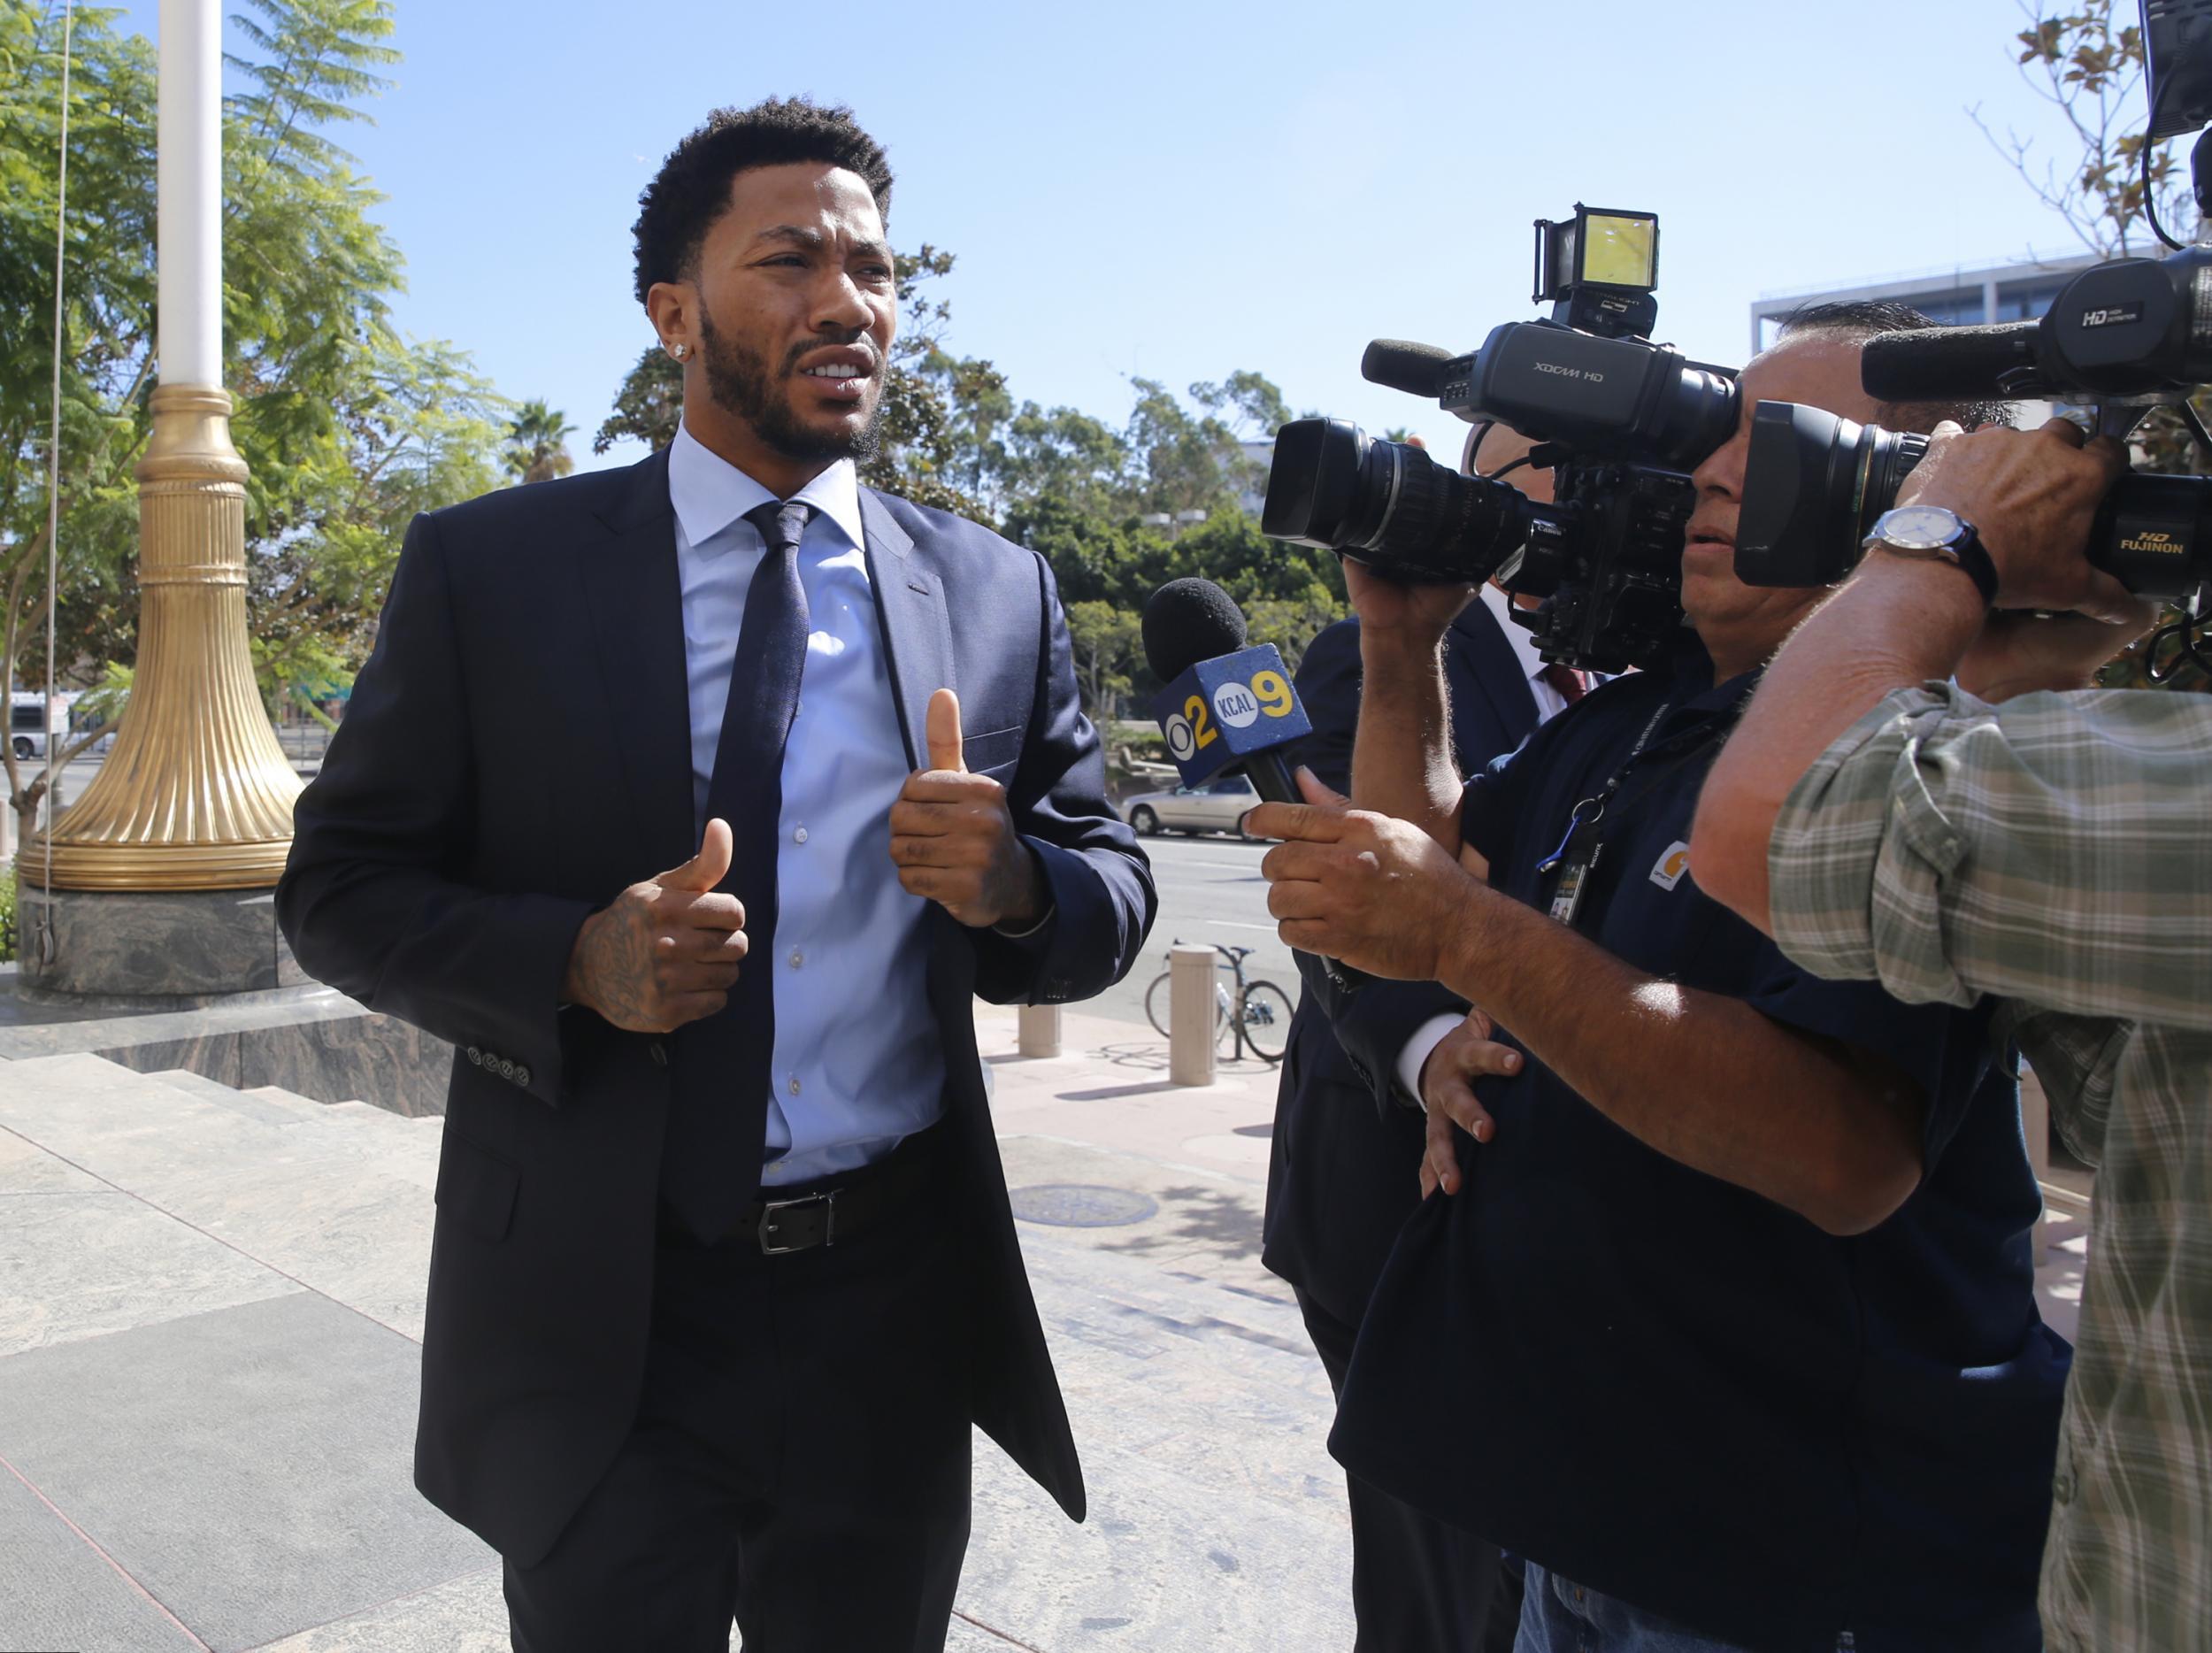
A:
<point x="710" y="866"/>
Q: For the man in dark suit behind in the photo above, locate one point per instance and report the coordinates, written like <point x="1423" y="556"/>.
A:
<point x="1346" y="1169"/>
<point x="724" y="1265"/>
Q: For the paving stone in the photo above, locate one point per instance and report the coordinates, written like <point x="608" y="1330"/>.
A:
<point x="57" y="1592"/>
<point x="251" y="1466"/>
<point x="26" y="1168"/>
<point x="463" y="1615"/>
<point x="84" y="1262"/>
<point x="341" y="1227"/>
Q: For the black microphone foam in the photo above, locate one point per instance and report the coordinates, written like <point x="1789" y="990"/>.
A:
<point x="1186" y="621"/>
<point x="1401" y="365"/>
<point x="1945" y="363"/>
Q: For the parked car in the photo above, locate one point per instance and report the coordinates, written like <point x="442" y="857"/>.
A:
<point x="1217" y="806"/>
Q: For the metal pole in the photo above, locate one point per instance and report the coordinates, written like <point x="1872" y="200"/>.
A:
<point x="1190" y="1042"/>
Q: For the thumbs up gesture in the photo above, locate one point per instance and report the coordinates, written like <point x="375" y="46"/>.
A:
<point x="953" y="837"/>
<point x="663" y="952"/>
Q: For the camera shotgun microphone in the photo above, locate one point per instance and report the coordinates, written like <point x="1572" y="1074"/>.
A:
<point x="1945" y="363"/>
<point x="1227" y="705"/>
<point x="1401" y="365"/>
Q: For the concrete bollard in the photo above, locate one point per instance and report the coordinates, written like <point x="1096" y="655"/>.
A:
<point x="1190" y="1018"/>
<point x="1039" y="1030"/>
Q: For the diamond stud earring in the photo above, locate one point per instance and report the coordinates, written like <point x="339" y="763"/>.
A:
<point x="679" y="350"/>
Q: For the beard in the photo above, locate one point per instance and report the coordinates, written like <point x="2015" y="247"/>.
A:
<point x="738" y="380"/>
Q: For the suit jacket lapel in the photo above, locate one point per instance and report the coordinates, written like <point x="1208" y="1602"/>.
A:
<point x="910" y="610"/>
<point x="635" y="598"/>
<point x="1492" y="662"/>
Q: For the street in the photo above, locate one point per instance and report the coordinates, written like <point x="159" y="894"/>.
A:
<point x="1210" y="892"/>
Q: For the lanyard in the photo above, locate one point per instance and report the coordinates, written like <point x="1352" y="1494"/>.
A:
<point x="1582" y="844"/>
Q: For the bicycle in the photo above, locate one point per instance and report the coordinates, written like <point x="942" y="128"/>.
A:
<point x="1257" y="1018"/>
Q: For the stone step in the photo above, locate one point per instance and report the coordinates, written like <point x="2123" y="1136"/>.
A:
<point x="342" y="1206"/>
<point x="268" y="1110"/>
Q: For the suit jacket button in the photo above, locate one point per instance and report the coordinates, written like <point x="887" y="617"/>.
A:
<point x="506" y="1068"/>
<point x="659" y="1053"/>
<point x="522" y="1077"/>
<point x="476" y="1055"/>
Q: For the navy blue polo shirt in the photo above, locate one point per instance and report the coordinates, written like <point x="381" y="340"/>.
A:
<point x="1673" y="1390"/>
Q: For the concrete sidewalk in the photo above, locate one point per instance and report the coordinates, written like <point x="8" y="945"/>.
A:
<point x="209" y="1307"/>
<point x="210" y="1303"/>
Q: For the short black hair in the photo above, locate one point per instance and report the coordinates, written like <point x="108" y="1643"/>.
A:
<point x="1861" y="318"/>
<point x="692" y="187"/>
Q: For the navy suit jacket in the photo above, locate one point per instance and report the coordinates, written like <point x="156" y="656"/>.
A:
<point x="1343" y="1173"/>
<point x="517" y="752"/>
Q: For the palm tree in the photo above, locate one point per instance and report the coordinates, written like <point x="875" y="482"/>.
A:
<point x="536" y="448"/>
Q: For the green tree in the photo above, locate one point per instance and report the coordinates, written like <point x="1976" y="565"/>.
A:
<point x="649" y="405"/>
<point x="1104" y="639"/>
<point x="919" y="454"/>
<point x="537" y="442"/>
<point x="345" y="426"/>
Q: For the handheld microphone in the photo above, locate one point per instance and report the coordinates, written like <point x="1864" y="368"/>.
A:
<point x="1227" y="705"/>
<point x="1947" y="363"/>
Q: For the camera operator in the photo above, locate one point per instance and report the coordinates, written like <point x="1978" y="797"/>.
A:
<point x="1982" y="837"/>
<point x="1729" y="1329"/>
<point x="1347" y="1150"/>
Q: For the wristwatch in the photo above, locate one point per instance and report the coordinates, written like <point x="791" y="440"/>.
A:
<point x="1929" y="533"/>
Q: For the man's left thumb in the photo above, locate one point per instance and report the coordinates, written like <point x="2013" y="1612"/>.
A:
<point x="1311" y="786"/>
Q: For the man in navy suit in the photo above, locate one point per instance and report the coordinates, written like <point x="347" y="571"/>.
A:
<point x="1345" y="1170"/>
<point x="724" y="1268"/>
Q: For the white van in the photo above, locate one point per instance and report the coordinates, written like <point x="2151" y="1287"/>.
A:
<point x="31" y="725"/>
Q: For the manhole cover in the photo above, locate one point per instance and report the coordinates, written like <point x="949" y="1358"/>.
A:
<point x="1081" y="1205"/>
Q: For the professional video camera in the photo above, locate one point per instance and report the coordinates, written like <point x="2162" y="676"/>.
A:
<point x="2128" y="335"/>
<point x="1620" y="422"/>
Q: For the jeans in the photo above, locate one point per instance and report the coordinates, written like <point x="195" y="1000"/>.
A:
<point x="1560" y="1616"/>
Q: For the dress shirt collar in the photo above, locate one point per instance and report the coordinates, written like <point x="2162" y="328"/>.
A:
<point x="709" y="493"/>
<point x="1518" y="637"/>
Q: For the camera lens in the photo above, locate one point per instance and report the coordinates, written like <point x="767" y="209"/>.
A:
<point x="1696" y="413"/>
<point x="1387" y="504"/>
<point x="1813" y="485"/>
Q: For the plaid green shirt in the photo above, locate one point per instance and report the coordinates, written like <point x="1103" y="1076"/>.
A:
<point x="2057" y="851"/>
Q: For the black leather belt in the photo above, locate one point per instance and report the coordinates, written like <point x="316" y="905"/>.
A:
<point x="782" y="1221"/>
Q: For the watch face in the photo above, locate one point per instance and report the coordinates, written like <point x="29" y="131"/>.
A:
<point x="1919" y="527"/>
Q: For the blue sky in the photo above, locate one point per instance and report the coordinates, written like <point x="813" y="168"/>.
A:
<point x="1179" y="190"/>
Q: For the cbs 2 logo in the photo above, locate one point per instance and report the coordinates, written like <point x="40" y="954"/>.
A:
<point x="1239" y="704"/>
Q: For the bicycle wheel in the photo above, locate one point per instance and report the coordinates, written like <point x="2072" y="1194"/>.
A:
<point x="1264" y="1013"/>
<point x="1156" y="999"/>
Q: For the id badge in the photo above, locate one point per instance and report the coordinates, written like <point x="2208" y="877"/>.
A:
<point x="1574" y="883"/>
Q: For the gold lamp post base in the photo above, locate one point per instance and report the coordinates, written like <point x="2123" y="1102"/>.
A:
<point x="196" y="793"/>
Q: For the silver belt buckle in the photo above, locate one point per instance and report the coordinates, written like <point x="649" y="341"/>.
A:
<point x="829" y="1202"/>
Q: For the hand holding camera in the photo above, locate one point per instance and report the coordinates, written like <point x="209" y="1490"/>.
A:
<point x="2033" y="496"/>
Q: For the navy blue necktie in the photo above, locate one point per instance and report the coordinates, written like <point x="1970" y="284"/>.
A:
<point x="718" y="1124"/>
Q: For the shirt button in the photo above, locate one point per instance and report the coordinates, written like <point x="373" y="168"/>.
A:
<point x="797" y="959"/>
<point x="799" y="836"/>
<point x="2062" y="1487"/>
<point x="795" y="1084"/>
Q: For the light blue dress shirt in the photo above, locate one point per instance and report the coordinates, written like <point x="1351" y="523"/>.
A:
<point x="858" y="1065"/>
